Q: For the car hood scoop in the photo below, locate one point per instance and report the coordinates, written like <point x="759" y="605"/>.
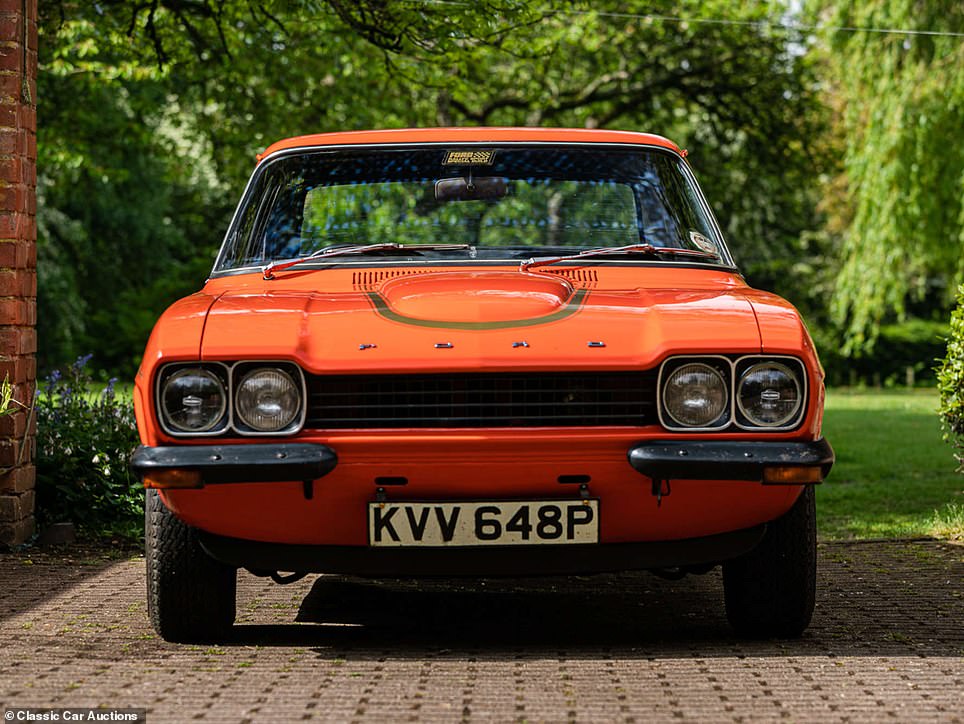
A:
<point x="472" y="319"/>
<point x="474" y="296"/>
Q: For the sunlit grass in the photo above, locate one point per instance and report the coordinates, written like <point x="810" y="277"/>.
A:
<point x="894" y="476"/>
<point x="948" y="523"/>
<point x="122" y="390"/>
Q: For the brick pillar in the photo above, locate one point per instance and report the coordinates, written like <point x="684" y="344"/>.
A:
<point x="18" y="261"/>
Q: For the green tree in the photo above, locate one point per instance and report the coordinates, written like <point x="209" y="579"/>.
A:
<point x="898" y="204"/>
<point x="733" y="94"/>
<point x="154" y="112"/>
<point x="122" y="219"/>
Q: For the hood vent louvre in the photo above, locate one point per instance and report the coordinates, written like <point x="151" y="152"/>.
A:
<point x="371" y="278"/>
<point x="578" y="276"/>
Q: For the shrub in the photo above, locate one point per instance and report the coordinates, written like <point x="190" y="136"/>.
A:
<point x="950" y="380"/>
<point x="84" y="440"/>
<point x="915" y="344"/>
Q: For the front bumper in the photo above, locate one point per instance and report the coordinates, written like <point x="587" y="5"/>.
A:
<point x="728" y="459"/>
<point x="253" y="462"/>
<point x="286" y="508"/>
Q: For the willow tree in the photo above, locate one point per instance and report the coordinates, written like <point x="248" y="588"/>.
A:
<point x="899" y="98"/>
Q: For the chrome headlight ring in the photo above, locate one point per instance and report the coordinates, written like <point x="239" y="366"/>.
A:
<point x="770" y="392"/>
<point x="193" y="399"/>
<point x="695" y="393"/>
<point x="269" y="398"/>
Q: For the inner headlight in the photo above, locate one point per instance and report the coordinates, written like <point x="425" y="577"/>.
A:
<point x="267" y="399"/>
<point x="695" y="395"/>
<point x="193" y="400"/>
<point x="769" y="394"/>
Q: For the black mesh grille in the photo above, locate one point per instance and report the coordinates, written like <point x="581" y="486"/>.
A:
<point x="532" y="399"/>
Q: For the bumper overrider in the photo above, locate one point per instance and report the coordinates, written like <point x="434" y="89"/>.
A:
<point x="194" y="466"/>
<point x="778" y="462"/>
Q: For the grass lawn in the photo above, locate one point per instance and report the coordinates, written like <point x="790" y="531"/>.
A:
<point x="894" y="475"/>
<point x="123" y="389"/>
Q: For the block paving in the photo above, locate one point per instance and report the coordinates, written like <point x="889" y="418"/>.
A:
<point x="886" y="644"/>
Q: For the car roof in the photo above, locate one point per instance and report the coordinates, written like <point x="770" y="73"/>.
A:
<point x="470" y="135"/>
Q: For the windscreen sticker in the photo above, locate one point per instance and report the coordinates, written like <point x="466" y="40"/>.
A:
<point x="469" y="158"/>
<point x="704" y="243"/>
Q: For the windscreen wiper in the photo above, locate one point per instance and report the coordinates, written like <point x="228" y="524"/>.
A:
<point x="268" y="270"/>
<point x="642" y="249"/>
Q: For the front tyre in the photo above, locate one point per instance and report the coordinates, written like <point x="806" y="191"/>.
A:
<point x="190" y="596"/>
<point x="770" y="591"/>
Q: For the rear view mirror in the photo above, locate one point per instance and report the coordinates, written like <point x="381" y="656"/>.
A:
<point x="470" y="189"/>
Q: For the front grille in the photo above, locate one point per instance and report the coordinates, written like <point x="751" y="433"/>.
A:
<point x="532" y="399"/>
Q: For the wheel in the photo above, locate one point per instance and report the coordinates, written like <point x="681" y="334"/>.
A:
<point x="190" y="596"/>
<point x="770" y="591"/>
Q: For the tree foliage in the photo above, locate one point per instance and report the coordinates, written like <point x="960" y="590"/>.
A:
<point x="153" y="112"/>
<point x="899" y="203"/>
<point x="950" y="379"/>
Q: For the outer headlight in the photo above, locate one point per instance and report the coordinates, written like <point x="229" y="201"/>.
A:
<point x="267" y="399"/>
<point x="695" y="395"/>
<point x="193" y="400"/>
<point x="769" y="394"/>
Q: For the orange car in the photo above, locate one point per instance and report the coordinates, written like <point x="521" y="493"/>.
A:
<point x="478" y="351"/>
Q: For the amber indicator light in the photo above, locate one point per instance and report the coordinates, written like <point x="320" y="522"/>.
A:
<point x="795" y="475"/>
<point x="166" y="479"/>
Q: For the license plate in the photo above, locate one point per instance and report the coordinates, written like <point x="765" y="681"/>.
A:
<point x="499" y="523"/>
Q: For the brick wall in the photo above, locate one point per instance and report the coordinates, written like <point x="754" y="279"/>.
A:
<point x="18" y="261"/>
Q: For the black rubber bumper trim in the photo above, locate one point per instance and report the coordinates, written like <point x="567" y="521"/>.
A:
<point x="247" y="463"/>
<point x="480" y="561"/>
<point x="726" y="459"/>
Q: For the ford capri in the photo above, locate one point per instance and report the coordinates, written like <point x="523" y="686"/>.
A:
<point x="478" y="352"/>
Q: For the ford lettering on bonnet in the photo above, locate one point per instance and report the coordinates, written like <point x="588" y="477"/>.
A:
<point x="475" y="352"/>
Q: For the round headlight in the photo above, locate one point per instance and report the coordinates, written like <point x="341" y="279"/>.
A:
<point x="695" y="395"/>
<point x="193" y="400"/>
<point x="769" y="394"/>
<point x="267" y="399"/>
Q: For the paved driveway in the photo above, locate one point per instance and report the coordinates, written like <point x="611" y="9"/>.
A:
<point x="887" y="643"/>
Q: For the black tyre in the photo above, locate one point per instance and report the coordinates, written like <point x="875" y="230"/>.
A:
<point x="770" y="591"/>
<point x="190" y="596"/>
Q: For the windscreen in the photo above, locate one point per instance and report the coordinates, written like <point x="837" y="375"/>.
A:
<point x="503" y="202"/>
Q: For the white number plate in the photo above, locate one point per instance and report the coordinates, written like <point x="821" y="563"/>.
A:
<point x="500" y="523"/>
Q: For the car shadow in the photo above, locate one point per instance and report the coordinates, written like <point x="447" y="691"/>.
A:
<point x="499" y="613"/>
<point x="881" y="599"/>
<point x="876" y="600"/>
